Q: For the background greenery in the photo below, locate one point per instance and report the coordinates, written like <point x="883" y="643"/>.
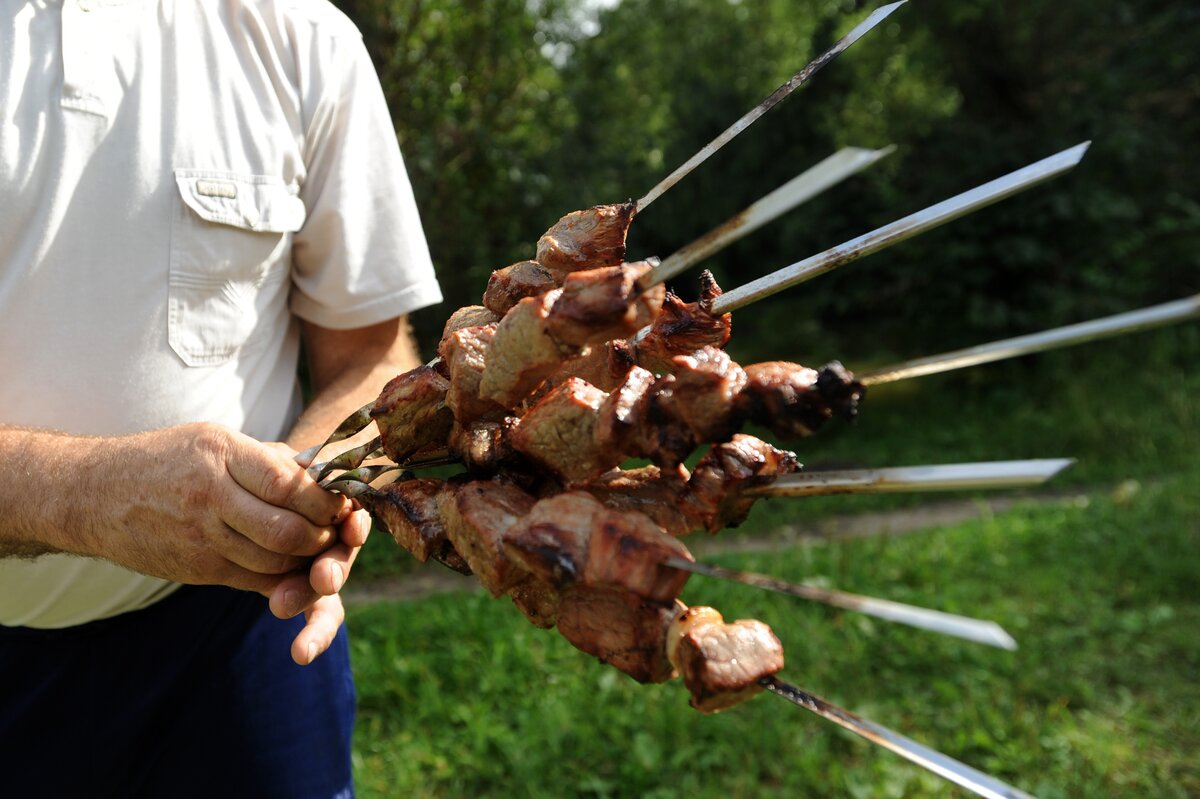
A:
<point x="514" y="112"/>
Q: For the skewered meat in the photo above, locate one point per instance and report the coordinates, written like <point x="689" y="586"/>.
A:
<point x="559" y="433"/>
<point x="412" y="414"/>
<point x="683" y="327"/>
<point x="620" y="629"/>
<point x="573" y="538"/>
<point x="716" y="488"/>
<point x="408" y="511"/>
<point x="706" y="384"/>
<point x="508" y="286"/>
<point x="658" y="493"/>
<point x="721" y="663"/>
<point x="465" y="353"/>
<point x="476" y="514"/>
<point x="484" y="447"/>
<point x="525" y="353"/>
<point x="586" y="239"/>
<point x="599" y="305"/>
<point x="469" y="316"/>
<point x="539" y="601"/>
<point x="797" y="401"/>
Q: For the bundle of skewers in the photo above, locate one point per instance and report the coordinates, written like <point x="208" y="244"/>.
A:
<point x="579" y="361"/>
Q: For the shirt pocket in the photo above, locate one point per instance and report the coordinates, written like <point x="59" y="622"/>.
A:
<point x="231" y="238"/>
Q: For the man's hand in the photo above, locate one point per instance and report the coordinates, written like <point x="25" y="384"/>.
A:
<point x="203" y="504"/>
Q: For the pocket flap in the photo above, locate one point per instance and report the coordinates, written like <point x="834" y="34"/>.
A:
<point x="253" y="202"/>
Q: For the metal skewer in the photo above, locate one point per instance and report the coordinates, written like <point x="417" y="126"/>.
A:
<point x="349" y="426"/>
<point x="944" y="477"/>
<point x="902" y="229"/>
<point x="942" y="765"/>
<point x="350" y="459"/>
<point x="796" y="81"/>
<point x="981" y="632"/>
<point x="808" y="184"/>
<point x="1144" y="319"/>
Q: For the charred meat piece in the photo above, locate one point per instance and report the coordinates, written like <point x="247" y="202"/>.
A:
<point x="483" y="446"/>
<point x="573" y="538"/>
<point x="795" y="402"/>
<point x="551" y="541"/>
<point x="586" y="239"/>
<point x="468" y="316"/>
<point x="605" y="366"/>
<point x="466" y="353"/>
<point x="412" y="414"/>
<point x="476" y="514"/>
<point x="707" y="382"/>
<point x="715" y="489"/>
<point x="618" y="628"/>
<point x="508" y="286"/>
<point x="537" y="600"/>
<point x="684" y="327"/>
<point x="408" y="511"/>
<point x="620" y="420"/>
<point x="558" y="433"/>
<point x="658" y="493"/>
<point x="721" y="663"/>
<point x="598" y="305"/>
<point x="523" y="352"/>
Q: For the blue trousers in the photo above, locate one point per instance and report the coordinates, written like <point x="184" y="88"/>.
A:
<point x="194" y="696"/>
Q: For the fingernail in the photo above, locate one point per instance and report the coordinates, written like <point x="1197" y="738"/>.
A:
<point x="313" y="651"/>
<point x="339" y="577"/>
<point x="291" y="603"/>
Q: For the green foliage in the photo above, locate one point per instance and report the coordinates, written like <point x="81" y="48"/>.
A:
<point x="512" y="113"/>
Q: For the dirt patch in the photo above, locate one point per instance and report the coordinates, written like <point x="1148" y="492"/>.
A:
<point x="435" y="579"/>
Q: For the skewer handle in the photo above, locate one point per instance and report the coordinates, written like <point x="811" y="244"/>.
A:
<point x="1095" y="330"/>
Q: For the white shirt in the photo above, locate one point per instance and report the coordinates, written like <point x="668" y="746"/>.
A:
<point x="179" y="180"/>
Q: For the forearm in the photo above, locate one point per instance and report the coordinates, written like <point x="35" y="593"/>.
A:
<point x="51" y="488"/>
<point x="347" y="375"/>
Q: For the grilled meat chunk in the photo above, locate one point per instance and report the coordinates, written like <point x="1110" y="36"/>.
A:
<point x="721" y="663"/>
<point x="408" y="511"/>
<point x="537" y="600"/>
<point x="476" y="514"/>
<point x="573" y="538"/>
<point x="658" y="493"/>
<point x="508" y="286"/>
<point x="707" y="382"/>
<point x="586" y="239"/>
<point x="468" y="316"/>
<point x="412" y="414"/>
<point x="684" y="327"/>
<point x="620" y="419"/>
<point x="795" y="402"/>
<point x="598" y="305"/>
<point x="523" y="353"/>
<point x="618" y="628"/>
<point x="466" y="353"/>
<point x="716" y="488"/>
<point x="558" y="433"/>
<point x="483" y="447"/>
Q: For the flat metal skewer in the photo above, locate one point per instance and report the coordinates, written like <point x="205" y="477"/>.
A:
<point x="349" y="426"/>
<point x="800" y="189"/>
<point x="900" y="230"/>
<point x="796" y="81"/>
<point x="979" y="631"/>
<point x="942" y="765"/>
<point x="1083" y="332"/>
<point x="943" y="477"/>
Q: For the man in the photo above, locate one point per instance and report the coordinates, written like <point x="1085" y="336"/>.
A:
<point x="188" y="190"/>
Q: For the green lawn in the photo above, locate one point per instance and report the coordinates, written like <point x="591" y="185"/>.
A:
<point x="461" y="697"/>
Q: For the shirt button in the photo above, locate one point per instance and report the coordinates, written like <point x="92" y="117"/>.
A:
<point x="252" y="217"/>
<point x="86" y="5"/>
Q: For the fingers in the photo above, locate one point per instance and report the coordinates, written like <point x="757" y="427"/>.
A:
<point x="243" y="552"/>
<point x="323" y="621"/>
<point x="270" y="475"/>
<point x="292" y="595"/>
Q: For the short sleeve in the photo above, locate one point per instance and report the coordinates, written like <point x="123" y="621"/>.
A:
<point x="361" y="256"/>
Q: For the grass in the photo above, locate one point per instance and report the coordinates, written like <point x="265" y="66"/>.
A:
<point x="460" y="697"/>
